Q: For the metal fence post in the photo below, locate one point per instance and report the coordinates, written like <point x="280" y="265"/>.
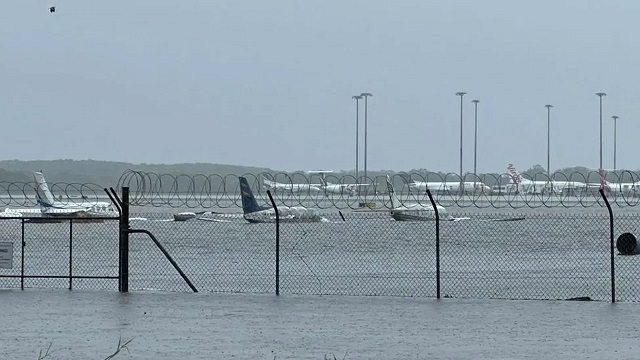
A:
<point x="275" y="208"/>
<point x="23" y="243"/>
<point x="435" y="209"/>
<point x="613" y="269"/>
<point x="70" y="254"/>
<point x="123" y="266"/>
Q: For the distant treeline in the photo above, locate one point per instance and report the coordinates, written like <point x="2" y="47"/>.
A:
<point x="106" y="173"/>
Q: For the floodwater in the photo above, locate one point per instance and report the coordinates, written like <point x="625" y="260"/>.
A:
<point x="88" y="325"/>
<point x="545" y="255"/>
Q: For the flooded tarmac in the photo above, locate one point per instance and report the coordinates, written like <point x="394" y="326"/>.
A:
<point x="89" y="324"/>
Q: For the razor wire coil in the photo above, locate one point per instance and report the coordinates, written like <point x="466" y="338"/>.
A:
<point x="347" y="192"/>
<point x="344" y="192"/>
<point x="23" y="194"/>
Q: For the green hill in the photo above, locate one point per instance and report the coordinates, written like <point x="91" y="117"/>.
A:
<point x="107" y="173"/>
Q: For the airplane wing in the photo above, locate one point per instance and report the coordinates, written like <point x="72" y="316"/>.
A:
<point x="64" y="212"/>
<point x="10" y="214"/>
<point x="8" y="211"/>
<point x="213" y="220"/>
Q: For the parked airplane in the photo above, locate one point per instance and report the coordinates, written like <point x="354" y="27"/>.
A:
<point x="452" y="187"/>
<point x="291" y="188"/>
<point x="520" y="184"/>
<point x="433" y="186"/>
<point x="255" y="213"/>
<point x="412" y="212"/>
<point x="340" y="189"/>
<point x="50" y="207"/>
<point x="619" y="188"/>
<point x="524" y="185"/>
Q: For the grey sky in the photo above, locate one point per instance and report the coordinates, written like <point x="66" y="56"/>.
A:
<point x="269" y="83"/>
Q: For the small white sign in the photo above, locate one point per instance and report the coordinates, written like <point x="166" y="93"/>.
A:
<point x="6" y="255"/>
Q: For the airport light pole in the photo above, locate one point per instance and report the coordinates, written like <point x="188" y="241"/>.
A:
<point x="475" y="139"/>
<point x="357" y="97"/>
<point x="365" y="95"/>
<point x="461" y="94"/>
<point x="600" y="95"/>
<point x="548" y="106"/>
<point x="615" y="128"/>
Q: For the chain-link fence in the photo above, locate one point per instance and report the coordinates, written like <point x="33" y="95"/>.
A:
<point x="515" y="255"/>
<point x="539" y="256"/>
<point x="59" y="253"/>
<point x="627" y="266"/>
<point x="222" y="254"/>
<point x="506" y="255"/>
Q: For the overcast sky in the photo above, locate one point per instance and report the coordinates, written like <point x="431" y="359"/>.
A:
<point x="269" y="83"/>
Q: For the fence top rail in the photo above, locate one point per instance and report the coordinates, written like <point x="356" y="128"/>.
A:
<point x="60" y="218"/>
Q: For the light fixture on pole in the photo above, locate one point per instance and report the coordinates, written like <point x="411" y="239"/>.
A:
<point x="615" y="130"/>
<point x="357" y="97"/>
<point x="600" y="95"/>
<point x="365" y="95"/>
<point x="548" y="140"/>
<point x="461" y="94"/>
<point x="475" y="139"/>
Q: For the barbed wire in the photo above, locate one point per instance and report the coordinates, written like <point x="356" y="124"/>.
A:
<point x="24" y="193"/>
<point x="329" y="191"/>
<point x="347" y="192"/>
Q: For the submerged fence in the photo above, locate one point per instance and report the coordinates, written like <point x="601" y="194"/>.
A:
<point x="479" y="254"/>
<point x="61" y="252"/>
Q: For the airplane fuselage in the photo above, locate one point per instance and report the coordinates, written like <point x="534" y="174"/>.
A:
<point x="88" y="209"/>
<point x="450" y="186"/>
<point x="286" y="214"/>
<point x="292" y="188"/>
<point x="400" y="214"/>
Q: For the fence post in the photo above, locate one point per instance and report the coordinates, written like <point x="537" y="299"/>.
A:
<point x="70" y="254"/>
<point x="22" y="243"/>
<point x="613" y="269"/>
<point x="275" y="208"/>
<point x="435" y="208"/>
<point x="123" y="258"/>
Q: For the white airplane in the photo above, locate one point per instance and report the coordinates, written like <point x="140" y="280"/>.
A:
<point x="412" y="212"/>
<point x="255" y="213"/>
<point x="452" y="187"/>
<point x="520" y="184"/>
<point x="48" y="206"/>
<point x="433" y="186"/>
<point x="291" y="188"/>
<point x="625" y="188"/>
<point x="524" y="185"/>
<point x="340" y="189"/>
<point x="619" y="188"/>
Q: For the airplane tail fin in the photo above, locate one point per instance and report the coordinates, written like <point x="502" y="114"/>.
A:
<point x="514" y="176"/>
<point x="249" y="203"/>
<point x="392" y="194"/>
<point x="43" y="194"/>
<point x="604" y="184"/>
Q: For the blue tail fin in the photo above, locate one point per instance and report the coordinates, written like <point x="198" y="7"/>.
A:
<point x="249" y="203"/>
